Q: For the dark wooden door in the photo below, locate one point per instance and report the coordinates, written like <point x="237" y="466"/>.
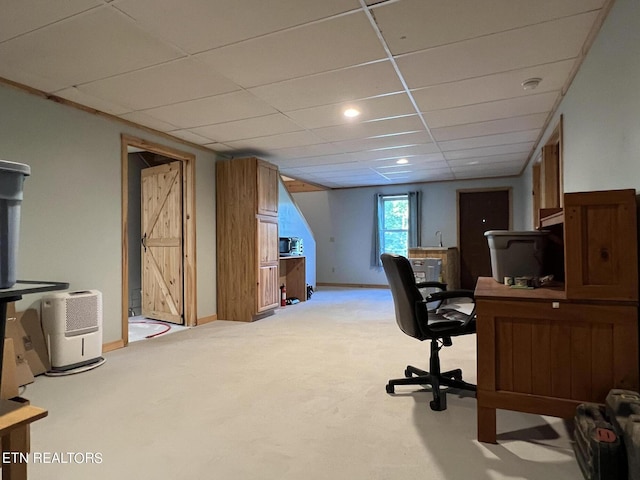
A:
<point x="477" y="213"/>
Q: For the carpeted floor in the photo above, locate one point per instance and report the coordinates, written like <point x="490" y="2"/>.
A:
<point x="299" y="395"/>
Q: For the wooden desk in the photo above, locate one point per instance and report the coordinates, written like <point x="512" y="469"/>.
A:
<point x="293" y="275"/>
<point x="15" y="418"/>
<point x="539" y="352"/>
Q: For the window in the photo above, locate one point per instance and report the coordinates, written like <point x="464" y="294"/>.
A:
<point x="397" y="224"/>
<point x="394" y="230"/>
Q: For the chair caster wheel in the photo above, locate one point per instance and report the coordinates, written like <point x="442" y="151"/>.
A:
<point x="391" y="389"/>
<point x="439" y="404"/>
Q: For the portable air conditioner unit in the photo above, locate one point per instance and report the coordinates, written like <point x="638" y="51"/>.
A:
<point x="72" y="325"/>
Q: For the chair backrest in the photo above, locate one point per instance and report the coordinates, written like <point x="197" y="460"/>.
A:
<point x="406" y="296"/>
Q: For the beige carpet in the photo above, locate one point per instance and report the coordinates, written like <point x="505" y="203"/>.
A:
<point x="296" y="396"/>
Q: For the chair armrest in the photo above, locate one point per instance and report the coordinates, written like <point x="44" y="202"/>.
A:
<point x="448" y="294"/>
<point x="440" y="285"/>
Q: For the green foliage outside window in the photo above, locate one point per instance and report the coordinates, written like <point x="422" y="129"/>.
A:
<point x="395" y="225"/>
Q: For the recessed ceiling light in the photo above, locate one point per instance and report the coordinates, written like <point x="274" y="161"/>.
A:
<point x="402" y="161"/>
<point x="351" y="112"/>
<point x="531" y="83"/>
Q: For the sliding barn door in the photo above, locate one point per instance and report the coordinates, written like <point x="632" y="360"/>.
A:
<point x="162" y="273"/>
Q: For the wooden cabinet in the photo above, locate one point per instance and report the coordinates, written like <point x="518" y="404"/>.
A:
<point x="601" y="259"/>
<point x="450" y="262"/>
<point x="247" y="238"/>
<point x="549" y="349"/>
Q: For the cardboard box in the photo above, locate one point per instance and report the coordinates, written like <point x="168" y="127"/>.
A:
<point x="32" y="357"/>
<point x="15" y="332"/>
<point x="33" y="341"/>
<point x="8" y="381"/>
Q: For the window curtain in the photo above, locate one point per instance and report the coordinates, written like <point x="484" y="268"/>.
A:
<point x="415" y="214"/>
<point x="377" y="230"/>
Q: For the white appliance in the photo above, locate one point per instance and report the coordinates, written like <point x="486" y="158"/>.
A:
<point x="72" y="324"/>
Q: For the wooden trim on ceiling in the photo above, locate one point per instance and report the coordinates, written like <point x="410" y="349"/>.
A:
<point x="99" y="113"/>
<point x="298" y="186"/>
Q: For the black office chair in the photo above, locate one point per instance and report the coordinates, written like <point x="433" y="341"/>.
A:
<point x="428" y="318"/>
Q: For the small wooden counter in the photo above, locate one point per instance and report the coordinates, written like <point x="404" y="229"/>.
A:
<point x="15" y="418"/>
<point x="539" y="352"/>
<point x="293" y="275"/>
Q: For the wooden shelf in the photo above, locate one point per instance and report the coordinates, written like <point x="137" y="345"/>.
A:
<point x="293" y="276"/>
<point x="551" y="216"/>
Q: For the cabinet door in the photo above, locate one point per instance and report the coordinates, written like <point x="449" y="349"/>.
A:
<point x="267" y="189"/>
<point x="268" y="251"/>
<point x="600" y="245"/>
<point x="268" y="288"/>
<point x="556" y="350"/>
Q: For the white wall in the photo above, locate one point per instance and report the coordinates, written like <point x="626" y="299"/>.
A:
<point x="342" y="222"/>
<point x="601" y="110"/>
<point x="71" y="212"/>
<point x="291" y="223"/>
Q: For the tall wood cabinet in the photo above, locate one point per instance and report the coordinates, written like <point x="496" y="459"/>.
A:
<point x="247" y="239"/>
<point x="549" y="349"/>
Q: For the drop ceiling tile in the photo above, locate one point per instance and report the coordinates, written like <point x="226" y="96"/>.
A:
<point x="142" y="118"/>
<point x="490" y="160"/>
<point x="332" y="87"/>
<point x="494" y="170"/>
<point x="202" y="24"/>
<point x="498" y="109"/>
<point x="173" y="82"/>
<point x="413" y="159"/>
<point x="525" y="47"/>
<point x="82" y="48"/>
<point x="190" y="137"/>
<point x="75" y="95"/>
<point x="320" y="160"/>
<point x="221" y="148"/>
<point x="410" y="123"/>
<point x="306" y="151"/>
<point x="27" y="15"/>
<point x="492" y="87"/>
<point x="386" y="106"/>
<point x="206" y="111"/>
<point x="488" y="151"/>
<point x="282" y="140"/>
<point x="493" y="127"/>
<point x="396" y="141"/>
<point x="490" y="140"/>
<point x="412" y="25"/>
<point x="215" y="147"/>
<point x="248" y="128"/>
<point x="327" y="167"/>
<point x="411" y="167"/>
<point x="313" y="48"/>
<point x="399" y="152"/>
<point x="338" y="175"/>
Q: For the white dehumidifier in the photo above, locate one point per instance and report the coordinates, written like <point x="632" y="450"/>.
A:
<point x="72" y="325"/>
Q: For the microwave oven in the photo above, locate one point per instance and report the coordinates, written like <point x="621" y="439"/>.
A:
<point x="290" y="246"/>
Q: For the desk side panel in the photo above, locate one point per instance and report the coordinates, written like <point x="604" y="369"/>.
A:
<point x="577" y="351"/>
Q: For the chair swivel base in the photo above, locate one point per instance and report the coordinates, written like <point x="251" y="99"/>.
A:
<point x="416" y="376"/>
